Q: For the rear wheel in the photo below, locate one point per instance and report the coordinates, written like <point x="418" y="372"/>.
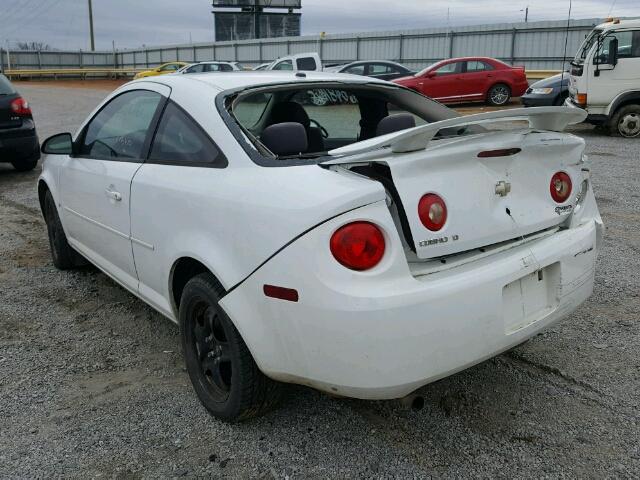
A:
<point x="626" y="122"/>
<point x="499" y="95"/>
<point x="222" y="370"/>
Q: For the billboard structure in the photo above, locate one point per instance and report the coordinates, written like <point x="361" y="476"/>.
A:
<point x="248" y="19"/>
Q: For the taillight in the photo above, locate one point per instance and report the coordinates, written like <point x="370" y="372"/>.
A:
<point x="358" y="245"/>
<point x="560" y="187"/>
<point x="20" y="107"/>
<point x="432" y="212"/>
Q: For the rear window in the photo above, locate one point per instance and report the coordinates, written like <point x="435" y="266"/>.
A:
<point x="333" y="116"/>
<point x="5" y="86"/>
<point x="307" y="64"/>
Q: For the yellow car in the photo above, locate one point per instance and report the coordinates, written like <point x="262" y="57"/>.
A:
<point x="163" y="69"/>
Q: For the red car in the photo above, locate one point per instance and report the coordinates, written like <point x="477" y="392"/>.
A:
<point x="469" y="79"/>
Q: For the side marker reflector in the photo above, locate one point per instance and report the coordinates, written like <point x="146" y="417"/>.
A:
<point x="281" y="293"/>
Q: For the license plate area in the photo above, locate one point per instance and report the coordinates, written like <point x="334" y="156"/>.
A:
<point x="530" y="298"/>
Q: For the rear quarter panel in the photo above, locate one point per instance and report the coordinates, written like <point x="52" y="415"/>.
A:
<point x="230" y="219"/>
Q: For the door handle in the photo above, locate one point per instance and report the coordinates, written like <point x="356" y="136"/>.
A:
<point x="117" y="196"/>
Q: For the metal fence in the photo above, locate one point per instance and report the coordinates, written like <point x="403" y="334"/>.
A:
<point x="535" y="45"/>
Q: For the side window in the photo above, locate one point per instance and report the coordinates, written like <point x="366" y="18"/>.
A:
<point x="478" y="66"/>
<point x="628" y="44"/>
<point x="223" y="67"/>
<point x="249" y="111"/>
<point x="120" y="129"/>
<point x="378" y="69"/>
<point x="179" y="140"/>
<point x="172" y="67"/>
<point x="196" y="69"/>
<point x="355" y="70"/>
<point x="306" y="63"/>
<point x="448" y="69"/>
<point x="284" y="65"/>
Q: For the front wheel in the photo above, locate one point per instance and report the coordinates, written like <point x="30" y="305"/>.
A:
<point x="499" y="95"/>
<point x="222" y="370"/>
<point x="626" y="122"/>
<point x="64" y="257"/>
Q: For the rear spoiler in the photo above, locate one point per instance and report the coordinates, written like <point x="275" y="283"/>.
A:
<point x="555" y="119"/>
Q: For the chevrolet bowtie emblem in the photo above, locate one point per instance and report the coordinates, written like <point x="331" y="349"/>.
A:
<point x="503" y="188"/>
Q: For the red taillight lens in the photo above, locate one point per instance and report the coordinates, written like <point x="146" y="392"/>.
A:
<point x="358" y="245"/>
<point x="432" y="212"/>
<point x="20" y="107"/>
<point x="560" y="187"/>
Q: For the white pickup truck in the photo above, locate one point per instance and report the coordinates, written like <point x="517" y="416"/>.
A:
<point x="605" y="77"/>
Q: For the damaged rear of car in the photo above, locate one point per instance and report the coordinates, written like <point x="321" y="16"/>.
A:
<point x="478" y="239"/>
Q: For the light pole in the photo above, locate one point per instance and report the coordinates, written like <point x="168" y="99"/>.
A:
<point x="93" y="42"/>
<point x="526" y="13"/>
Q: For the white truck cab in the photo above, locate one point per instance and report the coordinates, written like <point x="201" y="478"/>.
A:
<point x="309" y="62"/>
<point x="605" y="77"/>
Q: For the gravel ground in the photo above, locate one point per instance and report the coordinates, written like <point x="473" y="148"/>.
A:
<point x="92" y="381"/>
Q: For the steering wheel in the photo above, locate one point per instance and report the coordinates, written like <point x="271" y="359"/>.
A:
<point x="323" y="130"/>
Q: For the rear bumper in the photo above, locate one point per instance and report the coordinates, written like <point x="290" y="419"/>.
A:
<point x="519" y="88"/>
<point x="383" y="334"/>
<point x="18" y="144"/>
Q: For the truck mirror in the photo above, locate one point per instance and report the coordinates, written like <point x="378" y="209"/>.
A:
<point x="613" y="51"/>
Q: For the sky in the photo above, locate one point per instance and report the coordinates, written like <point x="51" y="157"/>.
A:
<point x="63" y="24"/>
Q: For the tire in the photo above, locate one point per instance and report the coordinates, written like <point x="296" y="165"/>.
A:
<point x="626" y="122"/>
<point x="64" y="257"/>
<point x="223" y="373"/>
<point x="559" y="101"/>
<point x="26" y="165"/>
<point x="499" y="95"/>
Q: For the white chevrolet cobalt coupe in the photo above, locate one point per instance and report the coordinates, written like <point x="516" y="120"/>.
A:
<point x="364" y="247"/>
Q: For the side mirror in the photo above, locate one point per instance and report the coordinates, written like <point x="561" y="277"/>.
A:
<point x="60" y="144"/>
<point x="613" y="51"/>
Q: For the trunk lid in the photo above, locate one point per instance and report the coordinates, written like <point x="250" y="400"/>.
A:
<point x="478" y="216"/>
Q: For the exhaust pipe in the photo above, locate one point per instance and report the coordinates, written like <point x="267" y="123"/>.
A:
<point x="413" y="401"/>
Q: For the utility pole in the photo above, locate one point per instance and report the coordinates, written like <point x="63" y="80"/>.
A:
<point x="93" y="42"/>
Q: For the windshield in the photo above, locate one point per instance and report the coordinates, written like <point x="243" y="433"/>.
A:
<point x="333" y="115"/>
<point x="586" y="46"/>
<point x="5" y="86"/>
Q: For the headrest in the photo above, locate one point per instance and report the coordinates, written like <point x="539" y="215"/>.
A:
<point x="395" y="123"/>
<point x="289" y="112"/>
<point x="284" y="139"/>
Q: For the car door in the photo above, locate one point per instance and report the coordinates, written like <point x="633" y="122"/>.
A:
<point x="613" y="80"/>
<point x="182" y="156"/>
<point x="474" y="79"/>
<point x="379" y="70"/>
<point x="440" y="84"/>
<point x="95" y="182"/>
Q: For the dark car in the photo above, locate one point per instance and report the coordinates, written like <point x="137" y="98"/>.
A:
<point x="18" y="138"/>
<point x="548" y="92"/>
<point x="381" y="69"/>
